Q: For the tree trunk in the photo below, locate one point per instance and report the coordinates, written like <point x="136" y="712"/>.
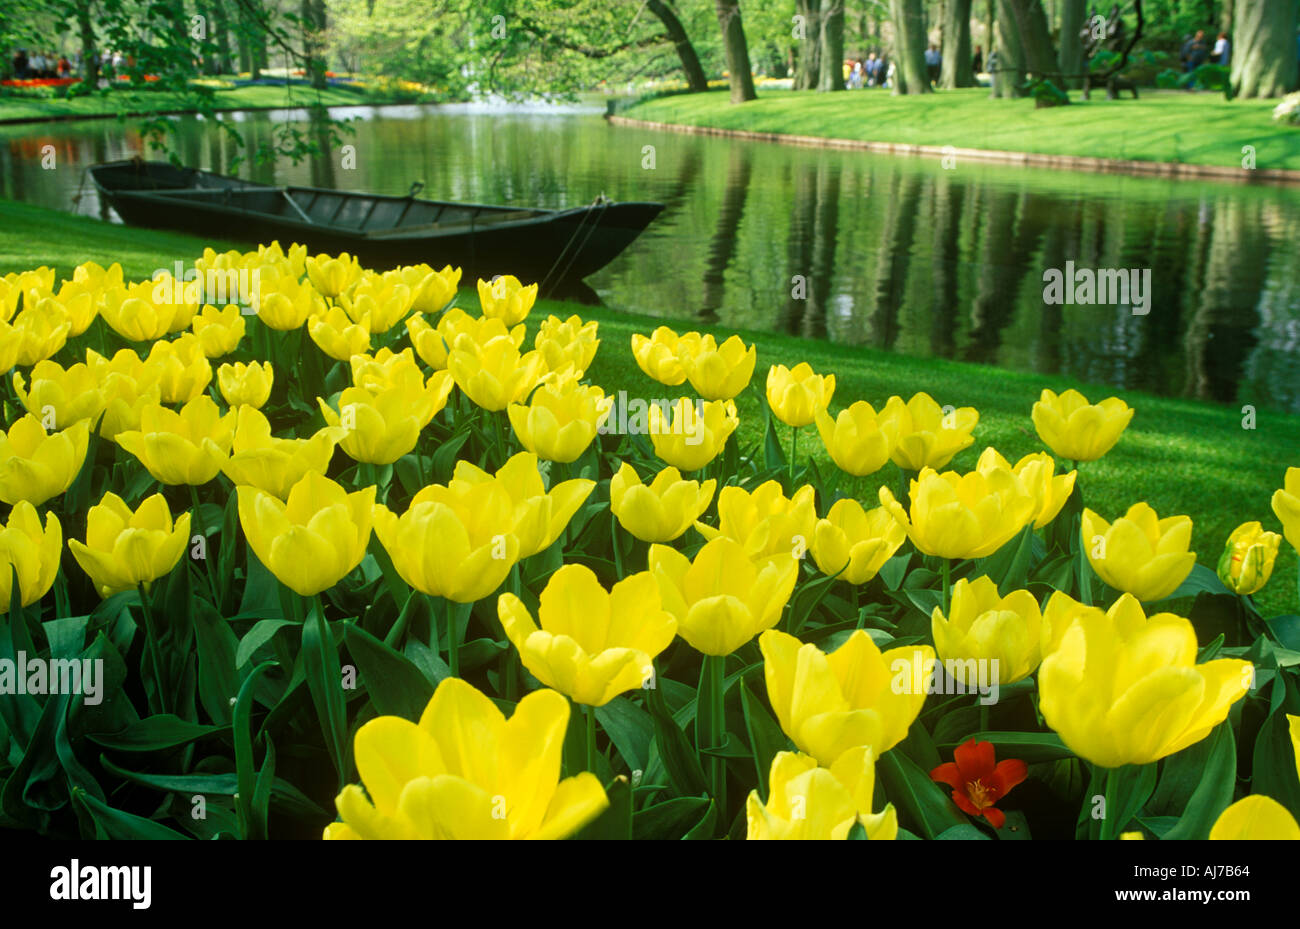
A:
<point x="810" y="45"/>
<point x="988" y="29"/>
<point x="1008" y="68"/>
<point x="832" y="47"/>
<point x="1036" y="39"/>
<point x="221" y="30"/>
<point x="1264" y="56"/>
<point x="733" y="40"/>
<point x="1073" y="15"/>
<point x="957" y="71"/>
<point x="313" y="41"/>
<point x="89" y="66"/>
<point x="910" y="77"/>
<point x="695" y="78"/>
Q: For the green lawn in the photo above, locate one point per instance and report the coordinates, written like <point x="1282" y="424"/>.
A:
<point x="1180" y="456"/>
<point x="13" y="109"/>
<point x="1170" y="126"/>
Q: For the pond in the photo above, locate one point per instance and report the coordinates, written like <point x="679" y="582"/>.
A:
<point x="915" y="256"/>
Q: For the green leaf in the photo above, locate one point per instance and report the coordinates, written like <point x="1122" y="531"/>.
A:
<point x="765" y="736"/>
<point x="250" y="818"/>
<point x="118" y="824"/>
<point x="261" y="633"/>
<point x="671" y="819"/>
<point x="325" y="682"/>
<point x="1201" y="780"/>
<point x="706" y="827"/>
<point x="1029" y="747"/>
<point x="288" y="798"/>
<point x="393" y="683"/>
<point x="154" y="733"/>
<point x="1009" y="565"/>
<point x="630" y="728"/>
<point x="218" y="674"/>
<point x="616" y="821"/>
<point x="773" y="453"/>
<point x="805" y="601"/>
<point x="920" y="801"/>
<point x="679" y="757"/>
<point x="964" y="831"/>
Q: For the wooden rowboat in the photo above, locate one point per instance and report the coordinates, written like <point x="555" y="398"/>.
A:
<point x="556" y="248"/>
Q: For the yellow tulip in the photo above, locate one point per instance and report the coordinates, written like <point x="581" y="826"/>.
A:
<point x="1255" y="818"/>
<point x="662" y="510"/>
<point x="70" y="394"/>
<point x="797" y="395"/>
<point x="40" y="332"/>
<point x="285" y="304"/>
<point x="124" y="549"/>
<point x="180" y="367"/>
<point x="149" y="310"/>
<point x="314" y="539"/>
<point x="338" y="336"/>
<point x="466" y="772"/>
<point x="809" y="802"/>
<point x="1073" y="428"/>
<point x="559" y="424"/>
<point x="10" y="342"/>
<point x="858" y="440"/>
<point x="172" y="446"/>
<point x="1123" y="688"/>
<point x="663" y="355"/>
<point x="457" y="543"/>
<point x="219" y="331"/>
<point x="687" y="439"/>
<point x="962" y="515"/>
<point x="857" y="695"/>
<point x="31" y="551"/>
<point x="928" y="435"/>
<point x="724" y="597"/>
<point x="427" y="342"/>
<point x="494" y="374"/>
<point x="125" y="400"/>
<point x="506" y="299"/>
<point x="718" y="372"/>
<point x="985" y="626"/>
<point x="765" y="521"/>
<point x="1248" y="557"/>
<point x="1060" y="613"/>
<point x="96" y="277"/>
<point x="430" y="290"/>
<point x="858" y="541"/>
<point x="331" y="276"/>
<point x="540" y="515"/>
<point x="1286" y="504"/>
<point x="386" y="369"/>
<point x="260" y="460"/>
<point x="1037" y="475"/>
<point x="246" y="384"/>
<point x="380" y="427"/>
<point x="80" y="305"/>
<point x="35" y="466"/>
<point x="379" y="299"/>
<point x="588" y="644"/>
<point x="1140" y="553"/>
<point x="568" y="341"/>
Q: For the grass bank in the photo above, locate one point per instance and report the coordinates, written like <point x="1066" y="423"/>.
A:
<point x="1164" y="126"/>
<point x="22" y="109"/>
<point x="1181" y="456"/>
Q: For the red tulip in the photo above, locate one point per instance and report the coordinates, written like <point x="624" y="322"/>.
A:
<point x="977" y="782"/>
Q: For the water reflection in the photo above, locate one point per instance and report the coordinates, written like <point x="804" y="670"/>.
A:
<point x="899" y="254"/>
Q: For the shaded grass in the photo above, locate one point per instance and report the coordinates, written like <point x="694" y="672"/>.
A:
<point x="1181" y="456"/>
<point x="1171" y="126"/>
<point x="150" y="101"/>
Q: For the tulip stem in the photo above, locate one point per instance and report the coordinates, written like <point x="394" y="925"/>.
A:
<point x="151" y="646"/>
<point x="1109" y="827"/>
<point x="711" y="724"/>
<point x="590" y="712"/>
<point x="947" y="588"/>
<point x="794" y="451"/>
<point x="207" y="562"/>
<point x="453" y="639"/>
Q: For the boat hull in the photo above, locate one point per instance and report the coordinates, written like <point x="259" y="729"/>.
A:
<point x="557" y="247"/>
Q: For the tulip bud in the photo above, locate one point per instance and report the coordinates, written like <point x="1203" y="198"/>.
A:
<point x="1248" y="556"/>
